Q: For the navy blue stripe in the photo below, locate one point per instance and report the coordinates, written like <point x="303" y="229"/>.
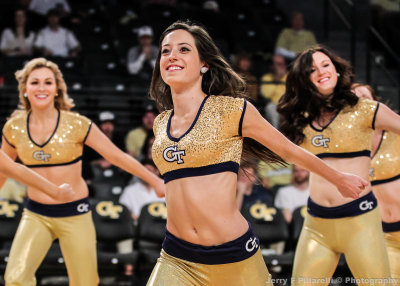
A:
<point x="373" y="120"/>
<point x="8" y="141"/>
<point x="52" y="165"/>
<point x="87" y="134"/>
<point x="201" y="171"/>
<point x="191" y="126"/>
<point x="345" y="155"/>
<point x="380" y="143"/>
<point x="383" y="181"/>
<point x="391" y="226"/>
<point x="354" y="208"/>
<point x="326" y="126"/>
<point x="236" y="250"/>
<point x="59" y="210"/>
<point x="241" y="118"/>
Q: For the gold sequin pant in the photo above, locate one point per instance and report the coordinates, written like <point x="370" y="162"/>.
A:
<point x="393" y="249"/>
<point x="322" y="241"/>
<point x="172" y="271"/>
<point x="33" y="239"/>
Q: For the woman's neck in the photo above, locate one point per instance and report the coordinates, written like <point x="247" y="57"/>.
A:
<point x="43" y="115"/>
<point x="187" y="100"/>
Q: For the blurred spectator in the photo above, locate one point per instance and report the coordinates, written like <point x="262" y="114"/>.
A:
<point x="293" y="40"/>
<point x="248" y="192"/>
<point x="106" y="122"/>
<point x="142" y="58"/>
<point x="273" y="86"/>
<point x="242" y="65"/>
<point x="274" y="176"/>
<point x="135" y="138"/>
<point x="13" y="190"/>
<point x="42" y="7"/>
<point x="295" y="195"/>
<point x="18" y="39"/>
<point x="147" y="146"/>
<point x="55" y="40"/>
<point x="136" y="195"/>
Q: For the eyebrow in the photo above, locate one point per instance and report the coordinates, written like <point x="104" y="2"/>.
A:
<point x="35" y="78"/>
<point x="179" y="44"/>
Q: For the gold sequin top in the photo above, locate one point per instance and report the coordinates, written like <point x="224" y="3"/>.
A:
<point x="65" y="145"/>
<point x="348" y="134"/>
<point x="385" y="163"/>
<point x="212" y="144"/>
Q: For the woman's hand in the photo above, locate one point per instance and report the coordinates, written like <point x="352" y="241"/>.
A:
<point x="65" y="193"/>
<point x="350" y="186"/>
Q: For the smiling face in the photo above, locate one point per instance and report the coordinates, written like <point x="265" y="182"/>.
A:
<point x="180" y="61"/>
<point x="323" y="73"/>
<point x="41" y="88"/>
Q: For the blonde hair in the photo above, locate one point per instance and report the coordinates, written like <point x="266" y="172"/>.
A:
<point x="62" y="101"/>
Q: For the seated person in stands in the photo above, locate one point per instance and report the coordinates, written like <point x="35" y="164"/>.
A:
<point x="135" y="138"/>
<point x="138" y="194"/>
<point x="17" y="40"/>
<point x="295" y="39"/>
<point x="55" y="40"/>
<point x="248" y="191"/>
<point x="294" y="195"/>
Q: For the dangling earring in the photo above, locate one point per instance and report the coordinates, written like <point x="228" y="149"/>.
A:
<point x="25" y="95"/>
<point x="338" y="74"/>
<point x="203" y="70"/>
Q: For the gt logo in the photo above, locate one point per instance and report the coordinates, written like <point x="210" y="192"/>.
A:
<point x="251" y="244"/>
<point x="319" y="141"/>
<point x="8" y="209"/>
<point x="83" y="208"/>
<point x="366" y="205"/>
<point x="107" y="208"/>
<point x="41" y="156"/>
<point x="158" y="210"/>
<point x="261" y="211"/>
<point x="172" y="154"/>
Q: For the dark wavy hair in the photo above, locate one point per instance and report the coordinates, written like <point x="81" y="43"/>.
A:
<point x="220" y="80"/>
<point x="302" y="103"/>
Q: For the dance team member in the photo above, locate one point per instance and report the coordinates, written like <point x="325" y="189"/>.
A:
<point x="198" y="148"/>
<point x="49" y="138"/>
<point x="385" y="180"/>
<point x="322" y="114"/>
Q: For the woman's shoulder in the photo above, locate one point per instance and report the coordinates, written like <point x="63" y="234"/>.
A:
<point x="72" y="115"/>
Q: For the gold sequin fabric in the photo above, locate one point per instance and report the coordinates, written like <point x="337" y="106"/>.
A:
<point x="349" y="134"/>
<point x="212" y="144"/>
<point x="385" y="163"/>
<point x="65" y="145"/>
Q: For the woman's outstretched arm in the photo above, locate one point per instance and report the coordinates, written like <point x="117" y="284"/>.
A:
<point x="257" y="128"/>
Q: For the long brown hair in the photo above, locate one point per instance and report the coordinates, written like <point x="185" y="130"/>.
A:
<point x="220" y="80"/>
<point x="62" y="101"/>
<point x="302" y="103"/>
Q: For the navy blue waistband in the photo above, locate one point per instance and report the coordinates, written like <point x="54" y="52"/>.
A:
<point x="59" y="210"/>
<point x="357" y="207"/>
<point x="236" y="250"/>
<point x="391" y="226"/>
<point x="201" y="171"/>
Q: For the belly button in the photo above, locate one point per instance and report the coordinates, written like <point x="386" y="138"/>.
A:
<point x="195" y="230"/>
